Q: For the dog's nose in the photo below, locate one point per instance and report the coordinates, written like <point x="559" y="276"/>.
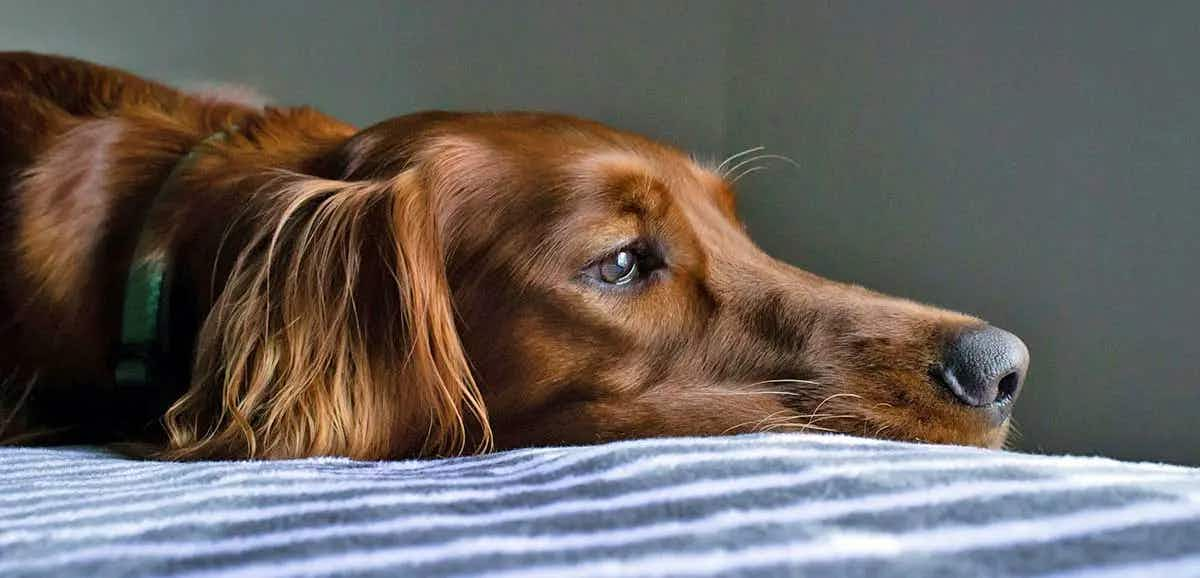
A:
<point x="984" y="366"/>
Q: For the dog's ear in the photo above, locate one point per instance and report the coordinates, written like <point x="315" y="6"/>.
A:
<point x="334" y="334"/>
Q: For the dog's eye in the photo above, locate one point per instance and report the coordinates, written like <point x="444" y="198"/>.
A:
<point x="620" y="268"/>
<point x="625" y="267"/>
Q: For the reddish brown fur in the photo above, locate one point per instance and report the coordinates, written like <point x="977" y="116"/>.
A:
<point x="354" y="287"/>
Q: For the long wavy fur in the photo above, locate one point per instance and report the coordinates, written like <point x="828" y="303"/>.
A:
<point x="334" y="334"/>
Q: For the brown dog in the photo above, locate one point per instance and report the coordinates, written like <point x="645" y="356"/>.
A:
<point x="221" y="281"/>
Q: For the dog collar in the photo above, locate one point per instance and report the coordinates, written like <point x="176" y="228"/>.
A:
<point x="142" y="355"/>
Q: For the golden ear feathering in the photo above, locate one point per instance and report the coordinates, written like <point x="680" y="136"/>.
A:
<point x="334" y="335"/>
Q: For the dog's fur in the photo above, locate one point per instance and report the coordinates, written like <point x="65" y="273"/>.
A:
<point x="425" y="286"/>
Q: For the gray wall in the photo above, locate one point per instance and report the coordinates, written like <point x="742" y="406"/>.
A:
<point x="1035" y="163"/>
<point x="1032" y="163"/>
<point x="365" y="61"/>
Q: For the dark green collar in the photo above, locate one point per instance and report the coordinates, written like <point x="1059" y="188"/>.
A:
<point x="146" y="307"/>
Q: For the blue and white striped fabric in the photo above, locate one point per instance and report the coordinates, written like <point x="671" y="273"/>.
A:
<point x="758" y="505"/>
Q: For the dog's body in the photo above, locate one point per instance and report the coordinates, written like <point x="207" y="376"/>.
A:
<point x="435" y="283"/>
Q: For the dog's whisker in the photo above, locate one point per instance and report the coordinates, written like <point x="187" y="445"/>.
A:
<point x="16" y="407"/>
<point x="736" y="155"/>
<point x="829" y="415"/>
<point x="757" y="422"/>
<point x="832" y="416"/>
<point x="745" y="162"/>
<point x="738" y="426"/>
<point x="770" y="422"/>
<point x="816" y="418"/>
<point x="728" y="175"/>
<point x="786" y="393"/>
<point x="802" y="427"/>
<point x="831" y="397"/>
<point x="1014" y="435"/>
<point x="770" y="419"/>
<point x="804" y="381"/>
<point x="835" y="396"/>
<point x="744" y="174"/>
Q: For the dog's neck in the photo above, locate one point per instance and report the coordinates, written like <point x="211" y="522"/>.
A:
<point x="174" y="272"/>
<point x="196" y="222"/>
<point x="144" y="354"/>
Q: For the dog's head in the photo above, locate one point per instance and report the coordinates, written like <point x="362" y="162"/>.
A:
<point x="530" y="279"/>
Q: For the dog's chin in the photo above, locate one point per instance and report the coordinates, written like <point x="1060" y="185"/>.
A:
<point x="983" y="435"/>
<point x="993" y="438"/>
<point x="929" y="421"/>
<point x="937" y="419"/>
<point x="999" y="438"/>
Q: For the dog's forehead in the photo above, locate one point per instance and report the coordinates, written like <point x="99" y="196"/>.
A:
<point x="588" y="157"/>
<point x="647" y="176"/>
<point x="669" y="166"/>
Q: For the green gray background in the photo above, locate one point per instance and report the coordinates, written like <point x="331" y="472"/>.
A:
<point x="1034" y="163"/>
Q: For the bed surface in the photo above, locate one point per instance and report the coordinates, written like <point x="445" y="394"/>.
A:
<point x="756" y="505"/>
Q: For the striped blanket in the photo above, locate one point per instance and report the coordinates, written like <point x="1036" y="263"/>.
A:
<point x="757" y="505"/>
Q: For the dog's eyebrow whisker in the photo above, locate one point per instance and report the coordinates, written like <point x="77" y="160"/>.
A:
<point x="747" y="172"/>
<point x="730" y="175"/>
<point x="736" y="155"/>
<point x="761" y="157"/>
